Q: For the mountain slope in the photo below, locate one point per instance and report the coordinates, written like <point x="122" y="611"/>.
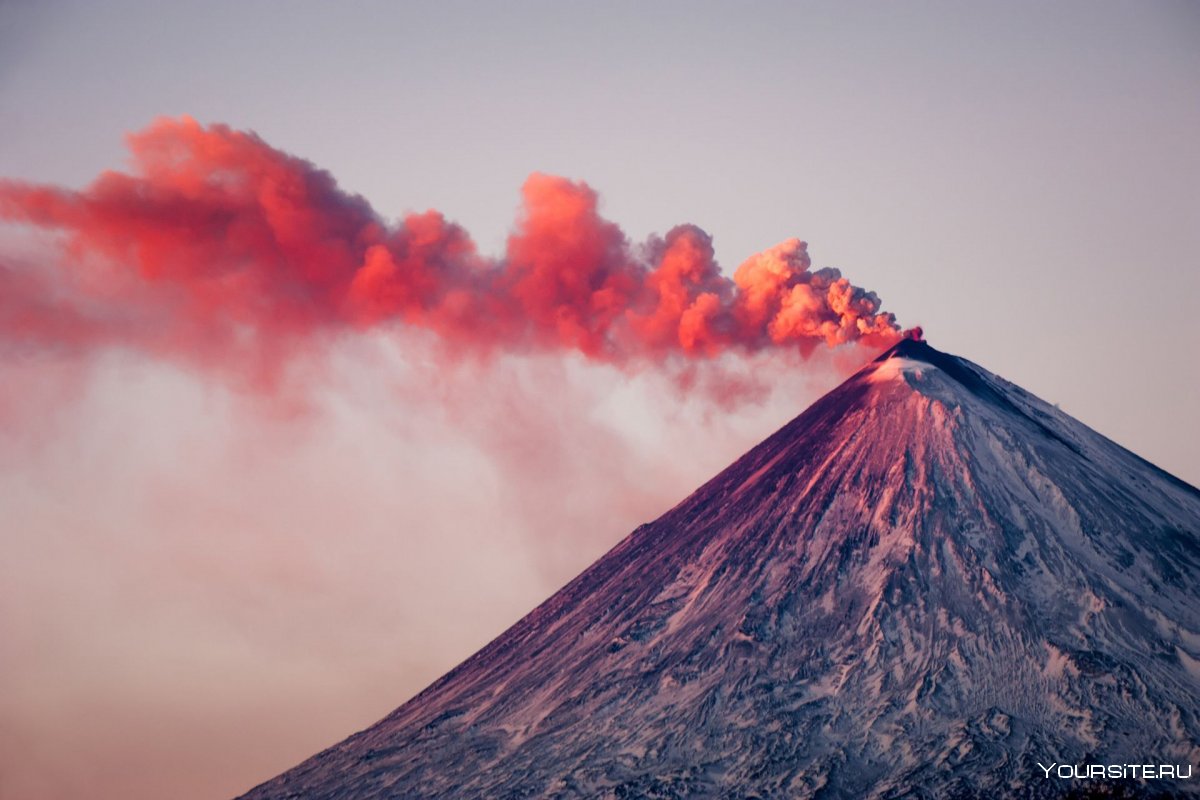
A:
<point x="924" y="585"/>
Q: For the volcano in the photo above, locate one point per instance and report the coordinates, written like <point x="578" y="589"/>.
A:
<point x="929" y="584"/>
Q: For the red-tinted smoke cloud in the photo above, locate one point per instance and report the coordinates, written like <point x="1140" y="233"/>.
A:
<point x="220" y="249"/>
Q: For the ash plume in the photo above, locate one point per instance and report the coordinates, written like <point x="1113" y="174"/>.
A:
<point x="219" y="250"/>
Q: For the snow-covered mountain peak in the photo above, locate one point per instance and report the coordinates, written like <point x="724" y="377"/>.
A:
<point x="914" y="357"/>
<point x="922" y="586"/>
<point x="947" y="380"/>
<point x="898" y="368"/>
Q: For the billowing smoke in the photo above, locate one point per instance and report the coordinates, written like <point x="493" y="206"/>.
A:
<point x="219" y="249"/>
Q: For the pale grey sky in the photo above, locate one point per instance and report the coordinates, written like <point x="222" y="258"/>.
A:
<point x="1021" y="178"/>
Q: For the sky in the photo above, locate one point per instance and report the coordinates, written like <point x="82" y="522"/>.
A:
<point x="207" y="580"/>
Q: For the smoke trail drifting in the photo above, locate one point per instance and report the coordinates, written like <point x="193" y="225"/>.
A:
<point x="220" y="250"/>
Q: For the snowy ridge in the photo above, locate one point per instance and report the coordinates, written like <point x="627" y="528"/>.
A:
<point x="924" y="585"/>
